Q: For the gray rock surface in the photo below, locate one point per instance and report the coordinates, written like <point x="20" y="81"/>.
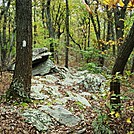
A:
<point x="39" y="119"/>
<point x="43" y="68"/>
<point x="62" y="115"/>
<point x="39" y="55"/>
<point x="56" y="90"/>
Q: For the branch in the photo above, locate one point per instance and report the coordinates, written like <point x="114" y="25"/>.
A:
<point x="87" y="7"/>
<point x="75" y="41"/>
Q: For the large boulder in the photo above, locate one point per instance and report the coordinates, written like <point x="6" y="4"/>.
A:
<point x="41" y="63"/>
<point x="40" y="55"/>
<point x="43" y="68"/>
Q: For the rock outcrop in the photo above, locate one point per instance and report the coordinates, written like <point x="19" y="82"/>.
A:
<point x="41" y="63"/>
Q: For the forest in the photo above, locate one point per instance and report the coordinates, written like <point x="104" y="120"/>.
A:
<point x="66" y="67"/>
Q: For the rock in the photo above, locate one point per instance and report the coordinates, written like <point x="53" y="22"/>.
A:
<point x="78" y="98"/>
<point x="81" y="73"/>
<point x="40" y="120"/>
<point x="37" y="51"/>
<point x="53" y="90"/>
<point x="82" y="100"/>
<point x="39" y="55"/>
<point x="62" y="115"/>
<point x="93" y="83"/>
<point x="51" y="79"/>
<point x="35" y="81"/>
<point x="36" y="92"/>
<point x="63" y="72"/>
<point x="43" y="68"/>
<point x="40" y="63"/>
<point x="37" y="87"/>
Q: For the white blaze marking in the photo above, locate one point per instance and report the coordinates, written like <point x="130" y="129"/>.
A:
<point x="24" y="43"/>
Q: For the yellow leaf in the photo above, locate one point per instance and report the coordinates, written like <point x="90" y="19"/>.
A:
<point x="110" y="2"/>
<point x="130" y="132"/>
<point x="128" y="120"/>
<point x="117" y="115"/>
<point x="102" y="53"/>
<point x="131" y="3"/>
<point x="105" y="2"/>
<point x="112" y="112"/>
<point x="121" y="3"/>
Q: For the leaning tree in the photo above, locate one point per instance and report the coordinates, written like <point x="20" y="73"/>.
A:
<point x="120" y="62"/>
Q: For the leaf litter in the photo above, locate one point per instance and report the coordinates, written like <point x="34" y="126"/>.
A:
<point x="81" y="103"/>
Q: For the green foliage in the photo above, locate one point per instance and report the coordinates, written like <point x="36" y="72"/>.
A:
<point x="92" y="68"/>
<point x="91" y="53"/>
<point x="100" y="124"/>
<point x="80" y="105"/>
<point x="107" y="120"/>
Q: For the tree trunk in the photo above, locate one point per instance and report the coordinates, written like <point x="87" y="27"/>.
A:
<point x="115" y="95"/>
<point x="50" y="26"/>
<point x="89" y="32"/>
<point x="21" y="83"/>
<point x="4" y="39"/>
<point x="0" y="53"/>
<point x="119" y="16"/>
<point x="119" y="66"/>
<point x="35" y="25"/>
<point x="124" y="53"/>
<point x="67" y="34"/>
<point x="132" y="68"/>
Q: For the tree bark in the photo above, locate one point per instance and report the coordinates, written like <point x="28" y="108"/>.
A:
<point x="132" y="68"/>
<point x="35" y="25"/>
<point x="50" y="26"/>
<point x="21" y="83"/>
<point x="119" y="16"/>
<point x="67" y="34"/>
<point x="119" y="66"/>
<point x="124" y="53"/>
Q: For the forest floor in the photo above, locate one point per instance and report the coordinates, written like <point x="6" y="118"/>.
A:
<point x="11" y="122"/>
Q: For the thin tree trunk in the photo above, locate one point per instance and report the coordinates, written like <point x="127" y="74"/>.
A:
<point x="132" y="68"/>
<point x="35" y="25"/>
<point x="4" y="42"/>
<point x="88" y="42"/>
<point x="67" y="34"/>
<point x="0" y="54"/>
<point x="50" y="26"/>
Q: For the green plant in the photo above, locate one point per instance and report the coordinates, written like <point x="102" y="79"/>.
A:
<point x="100" y="124"/>
<point x="92" y="68"/>
<point x="90" y="53"/>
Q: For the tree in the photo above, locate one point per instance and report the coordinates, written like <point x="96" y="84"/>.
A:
<point x="3" y="32"/>
<point x="119" y="66"/>
<point x="124" y="53"/>
<point x="119" y="15"/>
<point x="67" y="33"/>
<point x="50" y="26"/>
<point x="21" y="83"/>
<point x="94" y="16"/>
